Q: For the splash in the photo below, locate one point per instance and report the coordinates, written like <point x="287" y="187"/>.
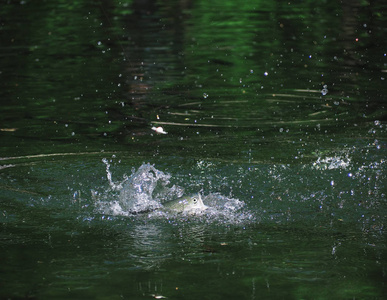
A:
<point x="144" y="190"/>
<point x="332" y="162"/>
<point x="147" y="188"/>
<point x="227" y="209"/>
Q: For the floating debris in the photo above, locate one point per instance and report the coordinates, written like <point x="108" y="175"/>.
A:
<point x="158" y="296"/>
<point x="159" y="130"/>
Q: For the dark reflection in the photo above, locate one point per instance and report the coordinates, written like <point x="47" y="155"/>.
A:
<point x="207" y="73"/>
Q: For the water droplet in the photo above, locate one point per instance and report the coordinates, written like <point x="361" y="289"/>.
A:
<point x="266" y="73"/>
<point x="205" y="96"/>
<point x="324" y="91"/>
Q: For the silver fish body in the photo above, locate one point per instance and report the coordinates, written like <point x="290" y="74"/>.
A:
<point x="190" y="203"/>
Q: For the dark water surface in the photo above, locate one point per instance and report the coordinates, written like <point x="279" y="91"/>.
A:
<point x="274" y="111"/>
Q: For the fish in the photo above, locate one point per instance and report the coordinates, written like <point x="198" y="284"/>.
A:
<point x="189" y="204"/>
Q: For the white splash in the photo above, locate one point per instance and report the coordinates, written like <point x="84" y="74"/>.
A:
<point x="147" y="188"/>
<point x="332" y="162"/>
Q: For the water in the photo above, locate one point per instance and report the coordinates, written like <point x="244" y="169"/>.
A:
<point x="274" y="113"/>
<point x="272" y="229"/>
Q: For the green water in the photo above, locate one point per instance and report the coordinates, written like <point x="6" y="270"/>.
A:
<point x="274" y="112"/>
